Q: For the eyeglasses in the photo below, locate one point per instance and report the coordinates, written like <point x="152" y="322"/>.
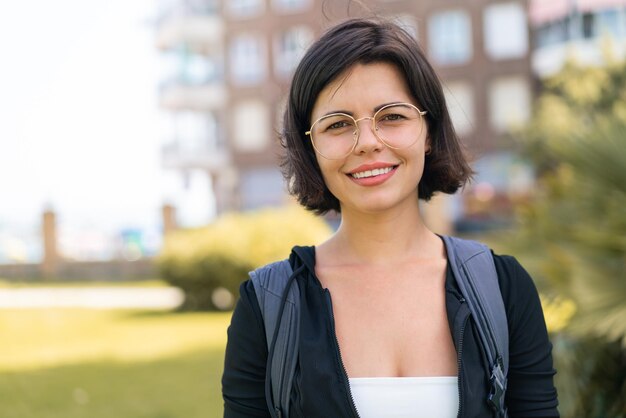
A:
<point x="397" y="125"/>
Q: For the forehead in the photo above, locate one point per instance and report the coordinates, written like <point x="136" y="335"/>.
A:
<point x="361" y="88"/>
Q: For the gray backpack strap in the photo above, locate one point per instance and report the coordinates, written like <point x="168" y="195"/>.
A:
<point x="269" y="285"/>
<point x="475" y="273"/>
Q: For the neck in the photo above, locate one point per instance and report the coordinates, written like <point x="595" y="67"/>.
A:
<point x="386" y="237"/>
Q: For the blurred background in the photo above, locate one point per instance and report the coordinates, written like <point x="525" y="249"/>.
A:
<point x="140" y="182"/>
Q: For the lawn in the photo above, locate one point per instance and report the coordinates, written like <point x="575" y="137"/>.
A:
<point x="81" y="363"/>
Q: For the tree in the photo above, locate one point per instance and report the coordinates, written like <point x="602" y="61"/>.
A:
<point x="577" y="138"/>
<point x="574" y="229"/>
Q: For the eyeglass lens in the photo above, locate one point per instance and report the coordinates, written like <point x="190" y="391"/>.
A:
<point x="397" y="126"/>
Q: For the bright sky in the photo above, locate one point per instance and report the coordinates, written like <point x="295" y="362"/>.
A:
<point x="79" y="117"/>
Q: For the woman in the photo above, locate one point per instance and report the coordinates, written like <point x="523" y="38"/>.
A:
<point x="367" y="134"/>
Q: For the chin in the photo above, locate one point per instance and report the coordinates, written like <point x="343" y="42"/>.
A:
<point x="378" y="204"/>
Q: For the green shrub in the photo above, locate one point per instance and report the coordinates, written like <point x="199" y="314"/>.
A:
<point x="574" y="231"/>
<point x="590" y="377"/>
<point x="206" y="261"/>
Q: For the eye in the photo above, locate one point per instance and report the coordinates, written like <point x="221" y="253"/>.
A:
<point x="392" y="117"/>
<point x="336" y="124"/>
<point x="396" y="114"/>
<point x="339" y="124"/>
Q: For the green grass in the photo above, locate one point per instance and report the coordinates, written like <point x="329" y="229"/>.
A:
<point x="79" y="363"/>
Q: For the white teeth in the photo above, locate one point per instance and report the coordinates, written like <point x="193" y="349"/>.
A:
<point x="371" y="173"/>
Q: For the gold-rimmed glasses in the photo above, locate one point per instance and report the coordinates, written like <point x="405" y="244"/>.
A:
<point x="397" y="125"/>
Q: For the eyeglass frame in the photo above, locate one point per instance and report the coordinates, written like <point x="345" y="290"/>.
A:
<point x="357" y="131"/>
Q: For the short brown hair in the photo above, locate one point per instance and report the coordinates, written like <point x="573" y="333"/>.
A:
<point x="364" y="41"/>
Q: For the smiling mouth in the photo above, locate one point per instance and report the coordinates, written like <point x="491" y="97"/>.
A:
<point x="372" y="173"/>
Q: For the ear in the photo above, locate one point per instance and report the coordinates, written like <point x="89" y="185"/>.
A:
<point x="427" y="146"/>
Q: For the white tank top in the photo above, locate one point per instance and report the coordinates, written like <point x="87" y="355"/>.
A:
<point x="405" y="397"/>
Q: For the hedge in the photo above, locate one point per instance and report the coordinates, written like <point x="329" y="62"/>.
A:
<point x="209" y="263"/>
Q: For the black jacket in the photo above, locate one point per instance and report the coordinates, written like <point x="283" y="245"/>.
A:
<point x="321" y="387"/>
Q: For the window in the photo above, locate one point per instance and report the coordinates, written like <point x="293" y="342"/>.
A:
<point x="194" y="131"/>
<point x="450" y="37"/>
<point x="202" y="6"/>
<point x="506" y="172"/>
<point x="196" y="69"/>
<point x="261" y="187"/>
<point x="460" y="101"/>
<point x="251" y="123"/>
<point x="609" y="24"/>
<point x="588" y="25"/>
<point x="189" y="7"/>
<point x="290" y="6"/>
<point x="552" y="33"/>
<point x="183" y="66"/>
<point x="602" y="23"/>
<point x="247" y="59"/>
<point x="245" y="8"/>
<point x="290" y="46"/>
<point x="509" y="102"/>
<point x="506" y="33"/>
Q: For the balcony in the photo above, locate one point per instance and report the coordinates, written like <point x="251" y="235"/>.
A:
<point x="585" y="31"/>
<point x="548" y="60"/>
<point x="178" y="95"/>
<point x="202" y="32"/>
<point x="210" y="157"/>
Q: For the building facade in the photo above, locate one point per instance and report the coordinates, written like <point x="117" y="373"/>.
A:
<point x="234" y="59"/>
<point x="587" y="31"/>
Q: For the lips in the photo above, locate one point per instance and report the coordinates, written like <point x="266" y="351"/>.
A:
<point x="371" y="170"/>
<point x="371" y="173"/>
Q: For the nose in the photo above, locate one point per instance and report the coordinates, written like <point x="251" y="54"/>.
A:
<point x="367" y="141"/>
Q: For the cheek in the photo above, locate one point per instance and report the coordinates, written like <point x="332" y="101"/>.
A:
<point x="324" y="165"/>
<point x="330" y="173"/>
<point x="325" y="174"/>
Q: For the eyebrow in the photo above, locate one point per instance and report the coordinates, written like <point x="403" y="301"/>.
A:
<point x="347" y="112"/>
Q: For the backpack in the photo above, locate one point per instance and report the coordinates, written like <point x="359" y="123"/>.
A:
<point x="475" y="273"/>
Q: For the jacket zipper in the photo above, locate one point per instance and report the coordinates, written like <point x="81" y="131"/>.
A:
<point x="338" y="355"/>
<point x="460" y="369"/>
